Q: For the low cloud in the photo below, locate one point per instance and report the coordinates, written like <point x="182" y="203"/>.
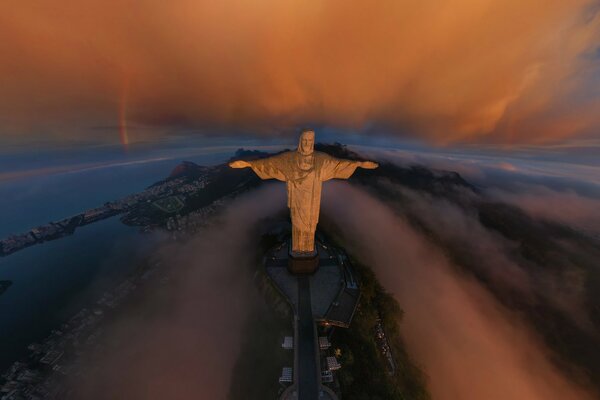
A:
<point x="566" y="207"/>
<point x="496" y="259"/>
<point x="565" y="193"/>
<point x="182" y="342"/>
<point x="460" y="228"/>
<point x="469" y="345"/>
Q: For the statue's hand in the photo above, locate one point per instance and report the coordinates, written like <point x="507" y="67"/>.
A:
<point x="239" y="164"/>
<point x="369" y="164"/>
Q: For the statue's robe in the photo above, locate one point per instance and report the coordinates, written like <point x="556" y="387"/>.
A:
<point x="304" y="176"/>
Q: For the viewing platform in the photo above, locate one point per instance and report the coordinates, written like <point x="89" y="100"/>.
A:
<point x="328" y="297"/>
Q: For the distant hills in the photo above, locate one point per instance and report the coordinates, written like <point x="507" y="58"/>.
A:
<point x="187" y="169"/>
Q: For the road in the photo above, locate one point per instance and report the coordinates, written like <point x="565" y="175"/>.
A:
<point x="308" y="379"/>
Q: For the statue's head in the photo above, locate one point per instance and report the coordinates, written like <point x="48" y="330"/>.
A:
<point x="306" y="144"/>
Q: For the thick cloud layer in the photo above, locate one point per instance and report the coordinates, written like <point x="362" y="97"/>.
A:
<point x="566" y="207"/>
<point x="184" y="344"/>
<point x="460" y="70"/>
<point x="566" y="192"/>
<point x="468" y="344"/>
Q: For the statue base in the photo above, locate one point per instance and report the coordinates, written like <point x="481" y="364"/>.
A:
<point x="303" y="263"/>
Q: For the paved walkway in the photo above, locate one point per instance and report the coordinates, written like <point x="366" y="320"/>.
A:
<point x="308" y="379"/>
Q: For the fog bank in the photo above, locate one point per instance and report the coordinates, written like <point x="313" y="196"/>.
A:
<point x="182" y="341"/>
<point x="469" y="345"/>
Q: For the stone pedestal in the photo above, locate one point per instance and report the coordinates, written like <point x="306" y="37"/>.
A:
<point x="303" y="263"/>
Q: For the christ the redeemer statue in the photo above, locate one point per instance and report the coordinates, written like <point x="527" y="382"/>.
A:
<point x="304" y="172"/>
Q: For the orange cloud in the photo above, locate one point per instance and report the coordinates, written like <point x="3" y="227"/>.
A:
<point x="459" y="70"/>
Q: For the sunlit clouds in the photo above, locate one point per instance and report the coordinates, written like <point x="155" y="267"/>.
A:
<point x="462" y="70"/>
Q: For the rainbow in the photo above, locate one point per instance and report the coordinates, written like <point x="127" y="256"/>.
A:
<point x="123" y="97"/>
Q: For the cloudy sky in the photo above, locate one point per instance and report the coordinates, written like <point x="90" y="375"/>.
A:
<point x="505" y="92"/>
<point x="470" y="71"/>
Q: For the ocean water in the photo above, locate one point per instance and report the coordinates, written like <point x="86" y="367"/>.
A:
<point x="51" y="281"/>
<point x="54" y="279"/>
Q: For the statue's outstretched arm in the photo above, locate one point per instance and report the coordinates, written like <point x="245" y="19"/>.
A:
<point x="341" y="168"/>
<point x="273" y="167"/>
<point x="239" y="164"/>
<point x="368" y="164"/>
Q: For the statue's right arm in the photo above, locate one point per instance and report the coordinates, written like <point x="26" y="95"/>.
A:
<point x="239" y="164"/>
<point x="266" y="168"/>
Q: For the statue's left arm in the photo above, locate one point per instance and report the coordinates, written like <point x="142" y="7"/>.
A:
<point x="339" y="168"/>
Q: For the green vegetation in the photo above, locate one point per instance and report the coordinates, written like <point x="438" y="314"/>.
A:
<point x="364" y="373"/>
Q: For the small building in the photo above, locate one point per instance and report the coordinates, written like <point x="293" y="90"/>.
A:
<point x="326" y="377"/>
<point x="324" y="343"/>
<point x="333" y="364"/>
<point x="286" y="375"/>
<point x="51" y="357"/>
<point x="288" y="343"/>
